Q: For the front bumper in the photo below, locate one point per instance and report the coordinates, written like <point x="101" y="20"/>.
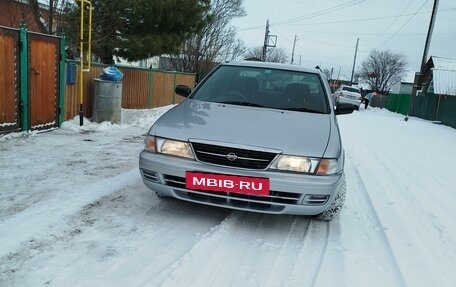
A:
<point x="290" y="193"/>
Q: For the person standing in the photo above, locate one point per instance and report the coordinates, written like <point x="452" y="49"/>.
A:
<point x="368" y="98"/>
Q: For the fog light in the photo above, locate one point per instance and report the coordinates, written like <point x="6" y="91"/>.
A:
<point x="315" y="199"/>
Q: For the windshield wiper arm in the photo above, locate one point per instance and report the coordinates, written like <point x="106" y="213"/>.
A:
<point x="304" y="110"/>
<point x="249" y="104"/>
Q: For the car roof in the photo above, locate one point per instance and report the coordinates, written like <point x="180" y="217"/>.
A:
<point x="268" y="65"/>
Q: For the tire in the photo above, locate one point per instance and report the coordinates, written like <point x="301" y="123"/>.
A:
<point x="336" y="207"/>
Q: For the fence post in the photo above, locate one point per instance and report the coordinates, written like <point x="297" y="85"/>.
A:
<point x="23" y="78"/>
<point x="62" y="81"/>
<point x="174" y="87"/>
<point x="150" y="89"/>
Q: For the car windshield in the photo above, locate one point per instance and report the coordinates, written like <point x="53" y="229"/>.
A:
<point x="264" y="88"/>
<point x="350" y="89"/>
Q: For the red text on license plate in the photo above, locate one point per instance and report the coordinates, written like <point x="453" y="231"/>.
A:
<point x="226" y="183"/>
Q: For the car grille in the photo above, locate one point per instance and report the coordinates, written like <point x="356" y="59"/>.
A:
<point x="273" y="197"/>
<point x="243" y="158"/>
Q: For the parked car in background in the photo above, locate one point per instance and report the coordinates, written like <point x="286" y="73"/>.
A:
<point x="253" y="136"/>
<point x="347" y="94"/>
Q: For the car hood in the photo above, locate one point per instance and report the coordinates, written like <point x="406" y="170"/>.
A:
<point x="296" y="133"/>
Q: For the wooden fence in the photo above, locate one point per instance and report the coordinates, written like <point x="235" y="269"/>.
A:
<point x="9" y="88"/>
<point x="141" y="88"/>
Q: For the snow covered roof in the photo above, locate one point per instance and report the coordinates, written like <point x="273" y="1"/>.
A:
<point x="444" y="81"/>
<point x="444" y="63"/>
<point x="444" y="76"/>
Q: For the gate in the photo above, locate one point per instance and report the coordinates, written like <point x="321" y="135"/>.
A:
<point x="9" y="75"/>
<point x="43" y="75"/>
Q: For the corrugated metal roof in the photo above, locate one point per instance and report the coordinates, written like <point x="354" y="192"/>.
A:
<point x="444" y="63"/>
<point x="444" y="81"/>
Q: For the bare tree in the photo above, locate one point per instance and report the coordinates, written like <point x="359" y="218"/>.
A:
<point x="217" y="42"/>
<point x="275" y="55"/>
<point x="382" y="69"/>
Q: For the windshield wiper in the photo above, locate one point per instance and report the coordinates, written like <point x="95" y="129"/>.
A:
<point x="304" y="110"/>
<point x="249" y="104"/>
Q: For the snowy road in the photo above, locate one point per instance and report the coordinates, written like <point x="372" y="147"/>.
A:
<point x="74" y="212"/>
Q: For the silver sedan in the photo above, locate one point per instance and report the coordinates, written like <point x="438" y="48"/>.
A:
<point x="252" y="136"/>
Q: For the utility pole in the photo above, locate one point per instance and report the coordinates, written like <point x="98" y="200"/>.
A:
<point x="51" y="16"/>
<point x="294" y="45"/>
<point x="354" y="62"/>
<point x="419" y="75"/>
<point x="266" y="38"/>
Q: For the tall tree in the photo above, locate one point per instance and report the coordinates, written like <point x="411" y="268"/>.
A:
<point x="382" y="69"/>
<point x="216" y="42"/>
<point x="275" y="55"/>
<point x="139" y="29"/>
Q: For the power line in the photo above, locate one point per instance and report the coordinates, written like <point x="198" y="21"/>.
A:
<point x="402" y="13"/>
<point x="311" y="15"/>
<point x="311" y="40"/>
<point x="319" y="13"/>
<point x="372" y="18"/>
<point x="354" y="20"/>
<point x="402" y="27"/>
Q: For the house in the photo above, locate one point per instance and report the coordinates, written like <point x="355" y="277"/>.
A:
<point x="14" y="13"/>
<point x="437" y="99"/>
<point x="440" y="76"/>
<point x="405" y="86"/>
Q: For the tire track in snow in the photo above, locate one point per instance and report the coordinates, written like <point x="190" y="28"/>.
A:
<point x="251" y="249"/>
<point x="108" y="237"/>
<point x="405" y="192"/>
<point x="36" y="220"/>
<point x="381" y="231"/>
<point x="412" y="208"/>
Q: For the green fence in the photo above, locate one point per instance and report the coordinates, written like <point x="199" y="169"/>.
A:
<point x="436" y="108"/>
<point x="425" y="106"/>
<point x="446" y="112"/>
<point x="398" y="103"/>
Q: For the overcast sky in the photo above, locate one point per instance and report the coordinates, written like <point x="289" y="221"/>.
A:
<point x="327" y="30"/>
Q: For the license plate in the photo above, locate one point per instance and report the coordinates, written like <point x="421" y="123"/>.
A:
<point x="226" y="183"/>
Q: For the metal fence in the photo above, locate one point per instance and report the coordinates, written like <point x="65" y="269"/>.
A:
<point x="141" y="88"/>
<point x="379" y="101"/>
<point x="436" y="108"/>
<point x="398" y="103"/>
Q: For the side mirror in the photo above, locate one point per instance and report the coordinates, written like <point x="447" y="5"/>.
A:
<point x="183" y="90"/>
<point x="343" y="109"/>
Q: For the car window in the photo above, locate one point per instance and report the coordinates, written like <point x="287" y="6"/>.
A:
<point x="264" y="88"/>
<point x="350" y="89"/>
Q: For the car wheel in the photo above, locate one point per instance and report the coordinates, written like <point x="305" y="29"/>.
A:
<point x="357" y="108"/>
<point x="336" y="206"/>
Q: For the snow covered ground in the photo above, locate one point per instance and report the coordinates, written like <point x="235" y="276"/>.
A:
<point x="74" y="212"/>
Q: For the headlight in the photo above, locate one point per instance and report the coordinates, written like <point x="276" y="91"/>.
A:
<point x="306" y="165"/>
<point x="292" y="163"/>
<point x="174" y="147"/>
